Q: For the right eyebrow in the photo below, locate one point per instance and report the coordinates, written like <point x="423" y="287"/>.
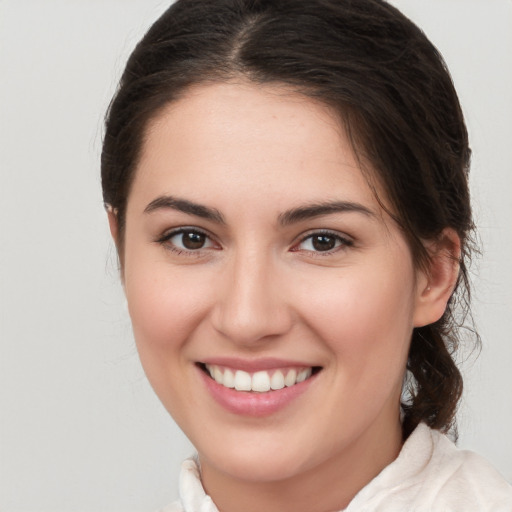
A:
<point x="319" y="209"/>
<point x="185" y="206"/>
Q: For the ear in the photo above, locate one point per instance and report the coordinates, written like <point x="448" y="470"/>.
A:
<point x="435" y="285"/>
<point x="112" y="222"/>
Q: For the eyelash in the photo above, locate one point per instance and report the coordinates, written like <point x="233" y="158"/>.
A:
<point x="343" y="242"/>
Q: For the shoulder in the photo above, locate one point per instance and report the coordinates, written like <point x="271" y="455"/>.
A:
<point x="463" y="480"/>
<point x="432" y="474"/>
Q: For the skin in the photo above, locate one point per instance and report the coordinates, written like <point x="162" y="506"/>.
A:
<point x="259" y="288"/>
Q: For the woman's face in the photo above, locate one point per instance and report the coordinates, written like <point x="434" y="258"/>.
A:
<point x="255" y="251"/>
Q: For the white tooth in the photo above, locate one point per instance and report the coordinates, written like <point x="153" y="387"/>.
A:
<point x="303" y="375"/>
<point x="290" y="378"/>
<point x="218" y="375"/>
<point x="242" y="381"/>
<point x="261" y="382"/>
<point x="277" y="380"/>
<point x="229" y="379"/>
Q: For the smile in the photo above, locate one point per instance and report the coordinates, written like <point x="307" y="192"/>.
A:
<point x="256" y="388"/>
<point x="260" y="381"/>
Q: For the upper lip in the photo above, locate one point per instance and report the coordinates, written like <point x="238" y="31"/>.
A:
<point x="254" y="365"/>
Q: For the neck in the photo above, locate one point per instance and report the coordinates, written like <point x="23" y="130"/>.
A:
<point x="326" y="487"/>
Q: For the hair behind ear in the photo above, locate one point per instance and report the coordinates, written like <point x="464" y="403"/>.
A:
<point x="433" y="393"/>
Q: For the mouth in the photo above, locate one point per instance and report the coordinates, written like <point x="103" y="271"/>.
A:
<point x="262" y="381"/>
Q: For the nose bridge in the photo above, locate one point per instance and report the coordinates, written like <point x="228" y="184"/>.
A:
<point x="252" y="305"/>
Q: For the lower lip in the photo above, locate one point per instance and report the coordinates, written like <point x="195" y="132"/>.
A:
<point x="254" y="404"/>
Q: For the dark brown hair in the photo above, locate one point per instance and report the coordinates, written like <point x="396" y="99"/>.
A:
<point x="392" y="91"/>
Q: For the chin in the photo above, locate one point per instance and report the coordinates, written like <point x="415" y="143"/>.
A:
<point x="261" y="469"/>
<point x="255" y="462"/>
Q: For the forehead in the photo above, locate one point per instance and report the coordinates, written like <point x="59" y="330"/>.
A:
<point x="251" y="143"/>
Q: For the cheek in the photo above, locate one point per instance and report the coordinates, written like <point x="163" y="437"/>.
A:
<point x="365" y="317"/>
<point x="165" y="307"/>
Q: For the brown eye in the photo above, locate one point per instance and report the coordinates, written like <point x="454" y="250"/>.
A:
<point x="186" y="240"/>
<point x="323" y="242"/>
<point x="192" y="240"/>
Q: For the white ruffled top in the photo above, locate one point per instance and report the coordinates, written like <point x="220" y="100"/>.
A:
<point x="430" y="474"/>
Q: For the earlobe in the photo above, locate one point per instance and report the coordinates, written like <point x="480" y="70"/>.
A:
<point x="435" y="287"/>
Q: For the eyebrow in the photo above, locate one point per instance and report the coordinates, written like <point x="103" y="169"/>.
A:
<point x="317" y="210"/>
<point x="182" y="205"/>
<point x="286" y="218"/>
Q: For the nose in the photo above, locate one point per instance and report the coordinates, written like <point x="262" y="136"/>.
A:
<point x="252" y="305"/>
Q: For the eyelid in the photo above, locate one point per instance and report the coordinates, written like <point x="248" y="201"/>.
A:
<point x="169" y="233"/>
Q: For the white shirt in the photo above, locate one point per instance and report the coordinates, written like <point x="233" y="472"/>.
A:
<point x="430" y="474"/>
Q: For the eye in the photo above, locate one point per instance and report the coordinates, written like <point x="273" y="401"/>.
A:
<point x="186" y="240"/>
<point x="322" y="242"/>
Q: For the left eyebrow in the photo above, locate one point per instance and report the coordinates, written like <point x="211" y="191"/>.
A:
<point x="185" y="206"/>
<point x="316" y="210"/>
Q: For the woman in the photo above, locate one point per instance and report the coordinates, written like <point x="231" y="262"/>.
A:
<point x="286" y="184"/>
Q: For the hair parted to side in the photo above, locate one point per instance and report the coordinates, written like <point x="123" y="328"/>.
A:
<point x="393" y="94"/>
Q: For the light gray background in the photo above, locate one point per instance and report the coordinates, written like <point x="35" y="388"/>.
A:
<point x="80" y="428"/>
